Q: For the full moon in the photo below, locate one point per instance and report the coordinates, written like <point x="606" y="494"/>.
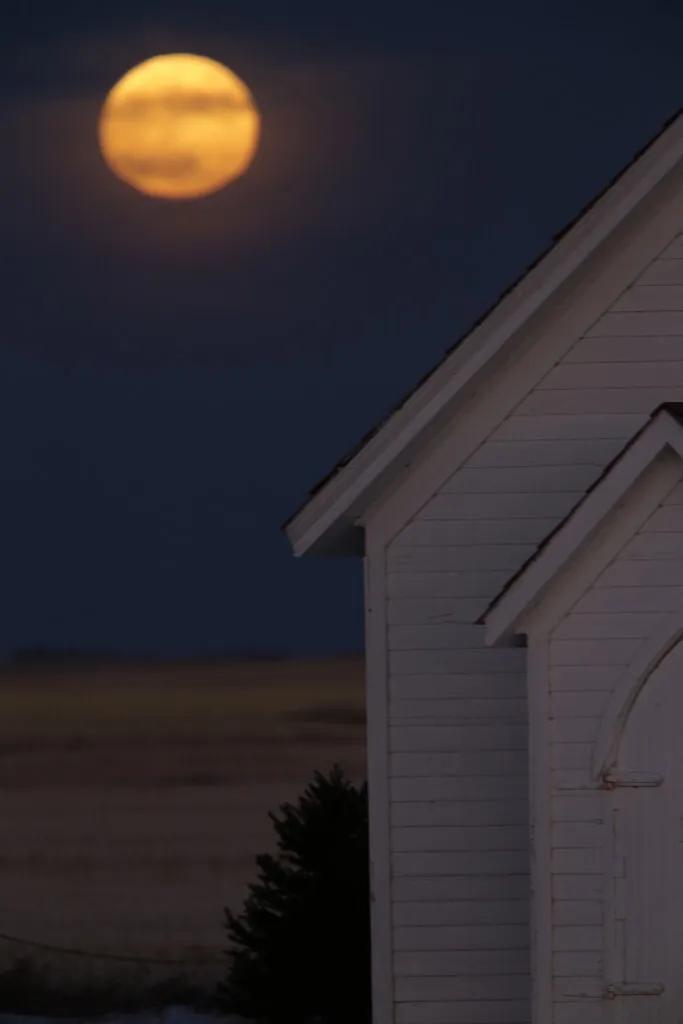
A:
<point x="179" y="126"/>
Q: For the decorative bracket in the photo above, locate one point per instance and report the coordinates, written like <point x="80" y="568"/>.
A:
<point x="633" y="989"/>
<point x="614" y="778"/>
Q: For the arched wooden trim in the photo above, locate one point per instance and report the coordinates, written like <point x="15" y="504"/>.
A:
<point x="628" y="687"/>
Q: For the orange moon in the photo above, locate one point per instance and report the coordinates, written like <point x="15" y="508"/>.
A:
<point x="179" y="126"/>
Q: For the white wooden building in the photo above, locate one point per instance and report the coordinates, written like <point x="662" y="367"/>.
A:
<point x="520" y="518"/>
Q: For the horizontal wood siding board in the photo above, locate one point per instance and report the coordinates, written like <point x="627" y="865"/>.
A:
<point x="444" y="636"/>
<point x="506" y="862"/>
<point x="463" y="532"/>
<point x="538" y="450"/>
<point x="445" y="738"/>
<point x="499" y="937"/>
<point x="446" y="584"/>
<point x="515" y="505"/>
<point x="520" y="479"/>
<point x="415" y="611"/>
<point x="508" y="986"/>
<point x="582" y="677"/>
<point x="483" y="838"/>
<point x="650" y="598"/>
<point x="442" y="813"/>
<point x="650" y="297"/>
<point x="505" y="710"/>
<point x="508" y="1011"/>
<point x="424" y="889"/>
<point x="662" y="271"/>
<point x="459" y="686"/>
<point x="641" y="572"/>
<point x="607" y="625"/>
<point x="464" y="790"/>
<point x="468" y="762"/>
<point x="562" y="428"/>
<point x="624" y="349"/>
<point x="485" y="659"/>
<point x="615" y="375"/>
<point x="459" y="558"/>
<point x="469" y="963"/>
<point x="579" y="401"/>
<point x="651" y="323"/>
<point x="465" y="912"/>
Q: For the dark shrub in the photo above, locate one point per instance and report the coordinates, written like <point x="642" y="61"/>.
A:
<point x="301" y="946"/>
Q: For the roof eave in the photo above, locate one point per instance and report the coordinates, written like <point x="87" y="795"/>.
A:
<point x="323" y="524"/>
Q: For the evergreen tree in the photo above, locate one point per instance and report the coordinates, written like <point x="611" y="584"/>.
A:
<point x="301" y="946"/>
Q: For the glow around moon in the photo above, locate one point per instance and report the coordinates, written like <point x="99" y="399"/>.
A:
<point x="179" y="126"/>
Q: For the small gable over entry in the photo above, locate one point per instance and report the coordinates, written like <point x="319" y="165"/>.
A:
<point x="618" y="673"/>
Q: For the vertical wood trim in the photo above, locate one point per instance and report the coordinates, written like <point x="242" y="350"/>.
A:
<point x="377" y="703"/>
<point x="540" y="804"/>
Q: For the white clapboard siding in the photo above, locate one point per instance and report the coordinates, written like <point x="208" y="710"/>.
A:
<point x="578" y="912"/>
<point x="579" y="1011"/>
<point x="663" y="271"/>
<point x="667" y="519"/>
<point x="459" y="686"/>
<point x="676" y="496"/>
<point x="464" y="913"/>
<point x="578" y="401"/>
<point x="593" y="677"/>
<point x="578" y="938"/>
<point x="464" y="837"/>
<point x="594" y="652"/>
<point x="579" y="965"/>
<point x="506" y="986"/>
<point x="648" y="323"/>
<point x="457" y="558"/>
<point x="520" y="479"/>
<point x="510" y="710"/>
<point x="673" y="251"/>
<point x="578" y="887"/>
<point x="500" y="938"/>
<point x="615" y="375"/>
<point x="577" y="862"/>
<point x="415" y="611"/>
<point x="645" y="297"/>
<point x="625" y="350"/>
<point x="514" y="506"/>
<point x="609" y="625"/>
<point x="485" y="659"/>
<point x="562" y="428"/>
<point x="458" y="760"/>
<point x="578" y="703"/>
<point x="443" y="738"/>
<point x="470" y="962"/>
<point x="631" y="599"/>
<point x="641" y="572"/>
<point x="466" y="762"/>
<point x="446" y="584"/>
<point x="444" y="636"/>
<point x="469" y="887"/>
<point x="461" y="532"/>
<point x="572" y="755"/>
<point x="484" y="862"/>
<point x="655" y="545"/>
<point x="580" y="989"/>
<point x="480" y="791"/>
<point x="587" y="807"/>
<point x="511" y="1011"/>
<point x="541" y="451"/>
<point x="575" y="729"/>
<point x="461" y="812"/>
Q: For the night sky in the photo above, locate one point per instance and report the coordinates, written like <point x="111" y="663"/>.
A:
<point x="175" y="376"/>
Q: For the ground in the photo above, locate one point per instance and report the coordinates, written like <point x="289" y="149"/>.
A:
<point x="134" y="798"/>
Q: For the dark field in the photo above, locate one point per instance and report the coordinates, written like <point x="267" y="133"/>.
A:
<point x="134" y="797"/>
